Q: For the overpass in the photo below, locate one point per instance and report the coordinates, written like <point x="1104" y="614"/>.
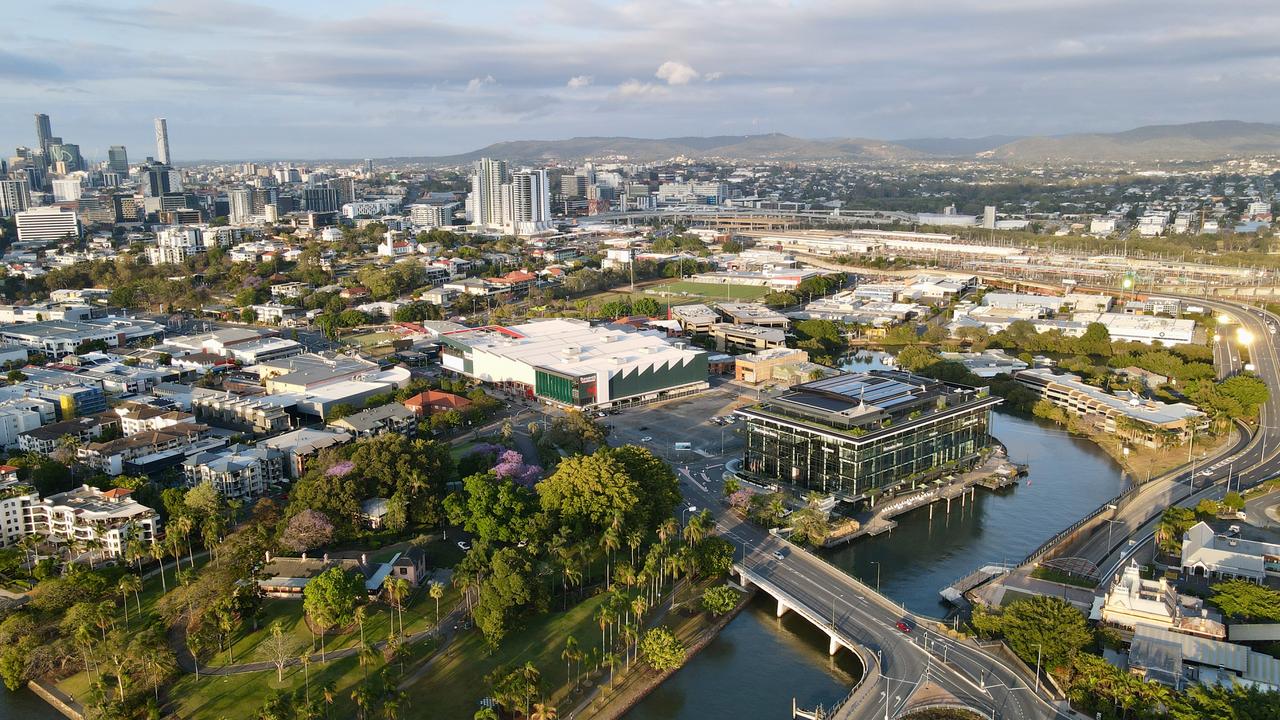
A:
<point x="897" y="666"/>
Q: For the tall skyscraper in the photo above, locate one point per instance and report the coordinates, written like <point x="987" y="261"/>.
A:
<point x="44" y="131"/>
<point x="157" y="181"/>
<point x="15" y="196"/>
<point x="240" y="202"/>
<point x="487" y="179"/>
<point x="320" y="199"/>
<point x="64" y="157"/>
<point x="162" y="141"/>
<point x="118" y="160"/>
<point x="346" y="187"/>
<point x="527" y="203"/>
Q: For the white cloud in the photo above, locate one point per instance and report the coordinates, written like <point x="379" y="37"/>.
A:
<point x="713" y="76"/>
<point x="579" y="81"/>
<point x="676" y="73"/>
<point x="635" y="88"/>
<point x="477" y="84"/>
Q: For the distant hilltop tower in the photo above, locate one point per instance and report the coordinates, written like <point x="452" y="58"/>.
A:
<point x="162" y="141"/>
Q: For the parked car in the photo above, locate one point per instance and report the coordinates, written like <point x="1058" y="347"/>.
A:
<point x="463" y="545"/>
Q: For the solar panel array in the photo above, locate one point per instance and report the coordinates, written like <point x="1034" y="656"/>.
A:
<point x="870" y="389"/>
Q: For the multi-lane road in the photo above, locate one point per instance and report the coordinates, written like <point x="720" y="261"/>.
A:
<point x="1240" y="468"/>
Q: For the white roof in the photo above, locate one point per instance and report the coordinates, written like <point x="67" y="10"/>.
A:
<point x="574" y="347"/>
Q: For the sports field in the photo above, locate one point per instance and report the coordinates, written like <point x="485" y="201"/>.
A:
<point x="711" y="291"/>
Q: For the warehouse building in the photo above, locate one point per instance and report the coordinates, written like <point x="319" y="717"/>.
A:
<point x="571" y="363"/>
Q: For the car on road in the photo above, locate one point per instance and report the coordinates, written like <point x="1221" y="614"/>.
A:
<point x="1207" y="473"/>
<point x="903" y="626"/>
<point x="779" y="555"/>
<point x="646" y="438"/>
<point x="464" y="545"/>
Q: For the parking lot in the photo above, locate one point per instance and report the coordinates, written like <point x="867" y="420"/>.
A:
<point x="686" y="420"/>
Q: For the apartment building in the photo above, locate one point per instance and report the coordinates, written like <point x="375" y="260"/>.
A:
<point x="237" y="472"/>
<point x="1128" y="416"/>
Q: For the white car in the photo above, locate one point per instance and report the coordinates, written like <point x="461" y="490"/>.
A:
<point x="646" y="438"/>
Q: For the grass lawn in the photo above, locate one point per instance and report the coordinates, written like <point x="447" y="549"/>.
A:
<point x="370" y="339"/>
<point x="240" y="696"/>
<point x="711" y="291"/>
<point x="455" y="680"/>
<point x="1052" y="575"/>
<point x="419" y="614"/>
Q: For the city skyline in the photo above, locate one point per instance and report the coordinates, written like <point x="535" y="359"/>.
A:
<point x="329" y="80"/>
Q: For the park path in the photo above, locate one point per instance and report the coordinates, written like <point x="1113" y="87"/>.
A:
<point x="187" y="661"/>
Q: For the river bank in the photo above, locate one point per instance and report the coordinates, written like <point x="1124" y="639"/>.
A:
<point x="638" y="685"/>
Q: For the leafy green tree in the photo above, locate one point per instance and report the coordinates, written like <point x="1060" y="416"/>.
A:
<point x="1247" y="390"/>
<point x="493" y="509"/>
<point x="713" y="556"/>
<point x="1244" y="601"/>
<point x="329" y="600"/>
<point x="720" y="599"/>
<point x="662" y="650"/>
<point x="1045" y="627"/>
<point x="645" y="306"/>
<point x="915" y="358"/>
<point x="510" y="585"/>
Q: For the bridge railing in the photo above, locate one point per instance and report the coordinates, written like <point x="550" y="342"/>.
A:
<point x="1049" y="544"/>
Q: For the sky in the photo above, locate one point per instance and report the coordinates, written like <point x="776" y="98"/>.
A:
<point x="239" y="79"/>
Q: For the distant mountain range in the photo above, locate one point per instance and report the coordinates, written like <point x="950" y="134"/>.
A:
<point x="738" y="147"/>
<point x="1192" y="141"/>
<point x="1200" y="141"/>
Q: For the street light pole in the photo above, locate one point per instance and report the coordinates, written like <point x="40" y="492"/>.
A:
<point x="877" y="564"/>
<point x="1039" y="648"/>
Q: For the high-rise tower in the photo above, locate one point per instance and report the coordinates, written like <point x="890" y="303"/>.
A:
<point x="118" y="160"/>
<point x="44" y="131"/>
<point x="162" y="141"/>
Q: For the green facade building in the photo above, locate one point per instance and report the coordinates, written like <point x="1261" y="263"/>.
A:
<point x="858" y="433"/>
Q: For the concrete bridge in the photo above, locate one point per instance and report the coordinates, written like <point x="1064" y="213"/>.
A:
<point x="897" y="665"/>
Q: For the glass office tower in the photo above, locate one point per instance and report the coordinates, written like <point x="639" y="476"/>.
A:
<point x="855" y="433"/>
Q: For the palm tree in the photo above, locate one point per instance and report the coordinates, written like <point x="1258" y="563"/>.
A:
<point x="570" y="649"/>
<point x="360" y="696"/>
<point x="391" y="708"/>
<point x="611" y="661"/>
<point x="30" y="545"/>
<point x="366" y="654"/>
<point x="91" y="546"/>
<point x="531" y="676"/>
<point x="184" y="525"/>
<point x="611" y="542"/>
<point x="360" y="621"/>
<point x="634" y="538"/>
<point x="696" y="530"/>
<point x="543" y="711"/>
<point x="330" y="693"/>
<point x="174" y="541"/>
<point x="306" y="674"/>
<point x="130" y="584"/>
<point x="602" y="618"/>
<point x="157" y="553"/>
<point x="436" y="591"/>
<point x="629" y="635"/>
<point x="397" y="590"/>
